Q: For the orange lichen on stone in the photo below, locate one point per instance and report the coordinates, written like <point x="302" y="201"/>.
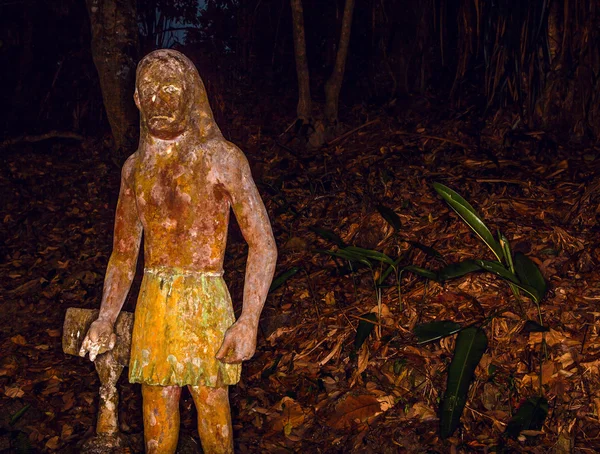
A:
<point x="179" y="326"/>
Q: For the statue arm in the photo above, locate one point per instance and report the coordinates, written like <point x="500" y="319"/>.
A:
<point x="120" y="270"/>
<point x="126" y="246"/>
<point x="250" y="212"/>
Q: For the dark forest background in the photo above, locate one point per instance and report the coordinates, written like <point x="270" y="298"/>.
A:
<point x="538" y="60"/>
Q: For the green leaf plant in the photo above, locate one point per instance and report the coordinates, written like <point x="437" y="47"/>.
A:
<point x="523" y="277"/>
<point x="520" y="272"/>
<point x="380" y="265"/>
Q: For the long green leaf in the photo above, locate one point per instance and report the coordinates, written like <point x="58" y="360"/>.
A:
<point x="534" y="327"/>
<point x="471" y="343"/>
<point x="370" y="254"/>
<point x="499" y="269"/>
<point x="454" y="270"/>
<point x="470" y="216"/>
<point x="428" y="332"/>
<point x="364" y="329"/>
<point x="390" y="216"/>
<point x="529" y="273"/>
<point x="421" y="272"/>
<point x="428" y="250"/>
<point x="283" y="277"/>
<point x="19" y="414"/>
<point x="346" y="255"/>
<point x="329" y="235"/>
<point x="530" y="416"/>
<point x="389" y="270"/>
<point x="507" y="251"/>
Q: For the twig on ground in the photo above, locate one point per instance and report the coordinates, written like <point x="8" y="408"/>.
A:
<point x="41" y="137"/>
<point x="425" y="136"/>
<point x="343" y="136"/>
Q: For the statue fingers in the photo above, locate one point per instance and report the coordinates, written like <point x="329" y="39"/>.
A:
<point x="84" y="346"/>
<point x="112" y="341"/>
<point x="94" y="349"/>
<point x="226" y="349"/>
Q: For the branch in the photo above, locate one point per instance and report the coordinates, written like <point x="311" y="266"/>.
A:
<point x="41" y="137"/>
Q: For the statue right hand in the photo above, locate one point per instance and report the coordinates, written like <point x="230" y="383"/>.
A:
<point x="99" y="339"/>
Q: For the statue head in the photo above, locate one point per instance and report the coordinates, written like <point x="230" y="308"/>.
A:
<point x="171" y="97"/>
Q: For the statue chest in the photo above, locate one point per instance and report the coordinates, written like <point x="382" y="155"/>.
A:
<point x="178" y="195"/>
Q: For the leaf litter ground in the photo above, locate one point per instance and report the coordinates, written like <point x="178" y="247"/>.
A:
<point x="307" y="389"/>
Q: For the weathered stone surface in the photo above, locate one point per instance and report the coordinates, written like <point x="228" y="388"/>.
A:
<point x="109" y="366"/>
<point x="77" y="323"/>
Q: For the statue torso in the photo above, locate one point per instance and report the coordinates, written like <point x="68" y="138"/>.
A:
<point x="184" y="208"/>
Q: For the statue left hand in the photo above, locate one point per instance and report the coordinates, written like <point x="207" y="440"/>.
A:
<point x="239" y="343"/>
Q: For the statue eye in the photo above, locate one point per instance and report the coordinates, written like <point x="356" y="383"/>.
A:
<point x="171" y="89"/>
<point x="146" y="91"/>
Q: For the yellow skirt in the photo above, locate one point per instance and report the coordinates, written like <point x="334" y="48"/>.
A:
<point x="180" y="321"/>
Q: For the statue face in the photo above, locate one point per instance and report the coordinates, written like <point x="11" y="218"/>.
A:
<point x="161" y="97"/>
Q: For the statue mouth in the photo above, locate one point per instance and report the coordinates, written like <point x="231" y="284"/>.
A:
<point x="162" y="117"/>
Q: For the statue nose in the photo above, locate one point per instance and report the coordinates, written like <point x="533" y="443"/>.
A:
<point x="159" y="98"/>
<point x="156" y="97"/>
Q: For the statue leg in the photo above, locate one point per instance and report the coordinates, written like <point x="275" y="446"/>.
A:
<point x="214" y="418"/>
<point x="161" y="418"/>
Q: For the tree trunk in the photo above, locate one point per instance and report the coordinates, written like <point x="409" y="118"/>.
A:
<point x="334" y="84"/>
<point x="114" y="50"/>
<point x="304" y="101"/>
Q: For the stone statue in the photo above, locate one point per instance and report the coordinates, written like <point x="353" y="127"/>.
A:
<point x="177" y="190"/>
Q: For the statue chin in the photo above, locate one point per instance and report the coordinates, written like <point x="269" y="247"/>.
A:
<point x="165" y="129"/>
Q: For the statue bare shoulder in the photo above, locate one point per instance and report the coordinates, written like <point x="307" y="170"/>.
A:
<point x="128" y="170"/>
<point x="225" y="159"/>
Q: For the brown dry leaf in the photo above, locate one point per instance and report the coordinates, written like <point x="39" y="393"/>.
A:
<point x="13" y="391"/>
<point x="53" y="332"/>
<point x="68" y="401"/>
<point x="354" y="409"/>
<point x="336" y="349"/>
<point x="363" y="362"/>
<point x="592" y="368"/>
<point x="9" y="367"/>
<point x="387" y="402"/>
<point x="553" y="337"/>
<point x="421" y="411"/>
<point x="52" y="388"/>
<point x="52" y="444"/>
<point x="292" y="415"/>
<point x="279" y="332"/>
<point x="386" y="315"/>
<point x="548" y="370"/>
<point x="27" y="287"/>
<point x="295" y="244"/>
<point x="363" y="359"/>
<point x="18" y="339"/>
<point x="66" y="432"/>
<point x="330" y="298"/>
<point x="35" y="435"/>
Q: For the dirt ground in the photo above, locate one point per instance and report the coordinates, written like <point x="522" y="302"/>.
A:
<point x="307" y="390"/>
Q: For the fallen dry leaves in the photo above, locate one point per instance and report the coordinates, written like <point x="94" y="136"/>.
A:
<point x="307" y="389"/>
